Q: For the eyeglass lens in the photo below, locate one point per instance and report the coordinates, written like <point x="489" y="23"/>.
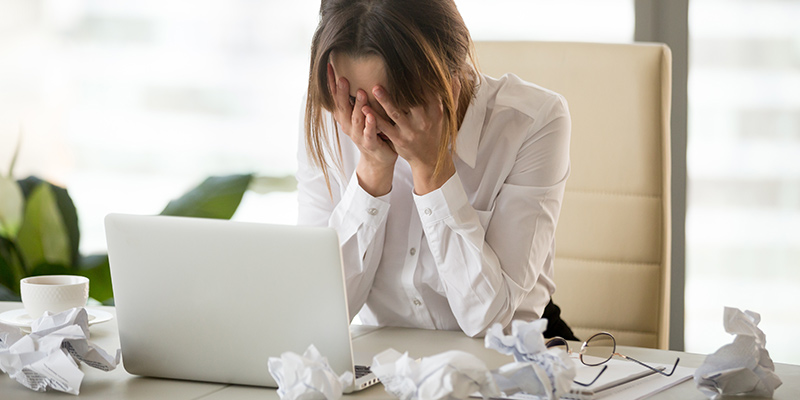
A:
<point x="557" y="343"/>
<point x="598" y="349"/>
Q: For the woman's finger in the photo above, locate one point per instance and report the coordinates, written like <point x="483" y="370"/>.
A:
<point x="395" y="114"/>
<point x="357" y="117"/>
<point x="370" y="132"/>
<point x="342" y="96"/>
<point x="339" y="111"/>
<point x="372" y="137"/>
<point x="382" y="125"/>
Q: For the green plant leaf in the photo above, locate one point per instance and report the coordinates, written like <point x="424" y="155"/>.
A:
<point x="51" y="269"/>
<point x="216" y="197"/>
<point x="6" y="274"/>
<point x="16" y="153"/>
<point x="42" y="238"/>
<point x="96" y="268"/>
<point x="67" y="209"/>
<point x="11" y="269"/>
<point x="8" y="277"/>
<point x="12" y="206"/>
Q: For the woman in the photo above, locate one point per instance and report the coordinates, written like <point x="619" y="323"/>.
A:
<point x="444" y="185"/>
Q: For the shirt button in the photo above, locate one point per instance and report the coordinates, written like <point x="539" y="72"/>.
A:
<point x="417" y="302"/>
<point x="428" y="211"/>
<point x="413" y="251"/>
<point x="372" y="211"/>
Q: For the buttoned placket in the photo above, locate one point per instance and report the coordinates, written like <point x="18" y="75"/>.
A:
<point x="415" y="237"/>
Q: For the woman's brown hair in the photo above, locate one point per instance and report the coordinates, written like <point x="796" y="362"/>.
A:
<point x="424" y="44"/>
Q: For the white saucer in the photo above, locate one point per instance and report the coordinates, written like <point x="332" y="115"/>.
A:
<point x="21" y="319"/>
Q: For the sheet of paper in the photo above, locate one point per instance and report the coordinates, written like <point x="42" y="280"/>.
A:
<point x="617" y="370"/>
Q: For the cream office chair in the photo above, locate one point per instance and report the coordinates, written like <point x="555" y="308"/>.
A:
<point x="613" y="237"/>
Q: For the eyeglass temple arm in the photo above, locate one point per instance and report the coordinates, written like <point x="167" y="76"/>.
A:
<point x="593" y="380"/>
<point x="660" y="371"/>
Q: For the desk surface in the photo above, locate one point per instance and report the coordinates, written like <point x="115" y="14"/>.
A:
<point x="118" y="384"/>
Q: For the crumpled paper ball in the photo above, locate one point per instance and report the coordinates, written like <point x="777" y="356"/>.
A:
<point x="742" y="367"/>
<point x="539" y="371"/>
<point x="525" y="341"/>
<point x="445" y="376"/>
<point x="307" y="377"/>
<point x="48" y="357"/>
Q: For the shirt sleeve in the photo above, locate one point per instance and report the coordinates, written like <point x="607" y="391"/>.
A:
<point x="358" y="218"/>
<point x="489" y="261"/>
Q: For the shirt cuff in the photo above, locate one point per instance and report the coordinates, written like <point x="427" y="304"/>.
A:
<point x="363" y="206"/>
<point x="450" y="200"/>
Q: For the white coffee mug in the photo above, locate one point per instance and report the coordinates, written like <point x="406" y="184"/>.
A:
<point x="54" y="293"/>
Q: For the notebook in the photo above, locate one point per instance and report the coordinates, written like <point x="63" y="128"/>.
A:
<point x="213" y="300"/>
<point x="622" y="380"/>
<point x="625" y="380"/>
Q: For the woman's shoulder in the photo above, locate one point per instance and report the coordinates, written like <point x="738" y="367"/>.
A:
<point x="512" y="92"/>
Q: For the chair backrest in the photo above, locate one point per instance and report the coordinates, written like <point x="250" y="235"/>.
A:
<point x="613" y="238"/>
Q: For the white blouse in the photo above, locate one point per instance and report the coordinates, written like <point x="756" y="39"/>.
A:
<point x="480" y="249"/>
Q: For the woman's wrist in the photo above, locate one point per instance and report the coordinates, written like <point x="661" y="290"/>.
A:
<point x="426" y="181"/>
<point x="375" y="180"/>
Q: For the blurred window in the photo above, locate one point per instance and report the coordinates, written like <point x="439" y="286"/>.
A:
<point x="743" y="206"/>
<point x="130" y="104"/>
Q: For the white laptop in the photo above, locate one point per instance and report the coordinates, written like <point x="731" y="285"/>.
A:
<point x="213" y="300"/>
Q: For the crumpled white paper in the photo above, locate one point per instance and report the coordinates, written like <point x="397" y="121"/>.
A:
<point x="742" y="367"/>
<point x="445" y="376"/>
<point x="307" y="377"/>
<point x="539" y="371"/>
<point x="46" y="358"/>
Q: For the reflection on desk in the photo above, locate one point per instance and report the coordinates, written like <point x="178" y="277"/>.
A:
<point x="118" y="384"/>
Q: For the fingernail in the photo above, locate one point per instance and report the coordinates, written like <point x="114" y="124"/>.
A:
<point x="341" y="83"/>
<point x="378" y="92"/>
<point x="370" y="118"/>
<point x="360" y="96"/>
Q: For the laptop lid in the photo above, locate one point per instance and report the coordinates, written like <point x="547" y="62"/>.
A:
<point x="212" y="300"/>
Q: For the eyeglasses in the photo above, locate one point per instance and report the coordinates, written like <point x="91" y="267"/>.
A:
<point x="599" y="349"/>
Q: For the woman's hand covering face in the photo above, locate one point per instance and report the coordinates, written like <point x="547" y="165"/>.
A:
<point x="415" y="133"/>
<point x="349" y="114"/>
<point x="381" y="130"/>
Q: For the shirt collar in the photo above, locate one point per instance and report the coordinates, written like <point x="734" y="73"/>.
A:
<point x="469" y="135"/>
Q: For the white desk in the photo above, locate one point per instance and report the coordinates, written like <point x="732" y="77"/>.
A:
<point x="118" y="384"/>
